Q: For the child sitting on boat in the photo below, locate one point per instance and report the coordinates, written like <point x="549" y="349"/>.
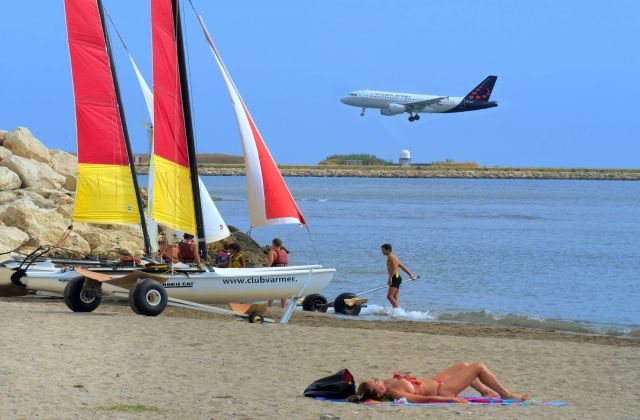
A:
<point x="236" y="260"/>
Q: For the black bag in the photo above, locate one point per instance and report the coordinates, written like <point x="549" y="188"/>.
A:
<point x="340" y="385"/>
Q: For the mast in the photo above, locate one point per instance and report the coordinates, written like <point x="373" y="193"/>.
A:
<point x="143" y="223"/>
<point x="191" y="149"/>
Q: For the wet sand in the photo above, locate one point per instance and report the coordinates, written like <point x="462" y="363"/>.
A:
<point x="184" y="364"/>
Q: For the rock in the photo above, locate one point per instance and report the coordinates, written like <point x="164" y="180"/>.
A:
<point x="44" y="227"/>
<point x="4" y="153"/>
<point x="9" y="180"/>
<point x="108" y="243"/>
<point x="255" y="255"/>
<point x="7" y="197"/>
<point x="34" y="174"/>
<point x="66" y="165"/>
<point x="11" y="238"/>
<point x="3" y="136"/>
<point x="22" y="143"/>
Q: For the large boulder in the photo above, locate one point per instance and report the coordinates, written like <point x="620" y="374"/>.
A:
<point x="9" y="180"/>
<point x="33" y="173"/>
<point x="3" y="136"/>
<point x="111" y="241"/>
<point x="4" y="153"/>
<point x="255" y="255"/>
<point x="66" y="165"/>
<point x="44" y="227"/>
<point x="22" y="143"/>
<point x="11" y="238"/>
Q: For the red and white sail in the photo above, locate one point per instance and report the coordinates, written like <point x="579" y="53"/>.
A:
<point x="270" y="201"/>
<point x="215" y="227"/>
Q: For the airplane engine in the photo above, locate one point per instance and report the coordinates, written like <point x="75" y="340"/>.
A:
<point x="393" y="109"/>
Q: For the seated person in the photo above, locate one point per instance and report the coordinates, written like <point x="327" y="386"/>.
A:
<point x="222" y="259"/>
<point x="188" y="250"/>
<point x="166" y="253"/>
<point x="444" y="387"/>
<point x="236" y="260"/>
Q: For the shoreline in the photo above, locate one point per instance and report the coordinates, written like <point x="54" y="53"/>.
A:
<point x="427" y="172"/>
<point x="318" y="319"/>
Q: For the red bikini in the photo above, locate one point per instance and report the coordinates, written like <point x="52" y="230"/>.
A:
<point x="416" y="382"/>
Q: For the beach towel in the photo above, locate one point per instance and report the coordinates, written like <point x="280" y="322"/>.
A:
<point x="473" y="400"/>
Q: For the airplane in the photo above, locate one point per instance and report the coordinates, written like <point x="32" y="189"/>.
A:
<point x="391" y="103"/>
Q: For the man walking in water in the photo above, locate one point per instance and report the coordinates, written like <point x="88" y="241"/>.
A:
<point x="394" y="280"/>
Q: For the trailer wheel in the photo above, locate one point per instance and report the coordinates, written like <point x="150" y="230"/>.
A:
<point x="148" y="298"/>
<point x="342" y="308"/>
<point x="77" y="299"/>
<point x="315" y="303"/>
<point x="255" y="318"/>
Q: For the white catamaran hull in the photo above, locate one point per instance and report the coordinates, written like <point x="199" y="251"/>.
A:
<point x="224" y="285"/>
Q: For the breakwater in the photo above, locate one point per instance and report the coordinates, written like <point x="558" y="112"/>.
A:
<point x="431" y="172"/>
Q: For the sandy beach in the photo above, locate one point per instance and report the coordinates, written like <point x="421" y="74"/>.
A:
<point x="58" y="364"/>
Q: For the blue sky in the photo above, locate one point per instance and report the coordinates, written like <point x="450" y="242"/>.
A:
<point x="567" y="88"/>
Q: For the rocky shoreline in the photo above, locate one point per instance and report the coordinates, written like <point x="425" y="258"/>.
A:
<point x="426" y="172"/>
<point x="37" y="196"/>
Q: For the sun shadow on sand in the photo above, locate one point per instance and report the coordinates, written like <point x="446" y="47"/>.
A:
<point x="80" y="314"/>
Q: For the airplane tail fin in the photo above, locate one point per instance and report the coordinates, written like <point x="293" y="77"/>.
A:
<point x="482" y="92"/>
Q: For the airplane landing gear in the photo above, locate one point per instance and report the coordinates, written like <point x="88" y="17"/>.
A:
<point x="362" y="113"/>
<point x="413" y="118"/>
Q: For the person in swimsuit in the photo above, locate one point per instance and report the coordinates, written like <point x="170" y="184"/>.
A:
<point x="444" y="387"/>
<point x="236" y="260"/>
<point x="188" y="250"/>
<point x="277" y="258"/>
<point x="167" y="253"/>
<point x="394" y="279"/>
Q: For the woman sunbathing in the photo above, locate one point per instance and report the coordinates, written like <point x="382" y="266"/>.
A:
<point x="444" y="387"/>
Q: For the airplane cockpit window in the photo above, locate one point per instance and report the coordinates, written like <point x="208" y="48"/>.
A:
<point x="353" y="94"/>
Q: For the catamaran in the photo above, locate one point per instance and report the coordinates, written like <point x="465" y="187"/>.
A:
<point x="108" y="190"/>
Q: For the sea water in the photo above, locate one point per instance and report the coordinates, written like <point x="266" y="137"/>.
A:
<point x="561" y="255"/>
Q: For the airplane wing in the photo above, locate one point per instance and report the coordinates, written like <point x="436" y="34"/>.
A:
<point x="420" y="104"/>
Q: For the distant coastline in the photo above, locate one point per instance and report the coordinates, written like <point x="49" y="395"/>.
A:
<point x="344" y="171"/>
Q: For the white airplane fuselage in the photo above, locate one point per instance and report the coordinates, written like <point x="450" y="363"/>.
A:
<point x="382" y="100"/>
<point x="394" y="103"/>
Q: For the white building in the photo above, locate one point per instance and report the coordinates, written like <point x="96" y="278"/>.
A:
<point x="405" y="158"/>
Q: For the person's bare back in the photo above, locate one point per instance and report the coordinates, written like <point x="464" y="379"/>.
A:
<point x="392" y="266"/>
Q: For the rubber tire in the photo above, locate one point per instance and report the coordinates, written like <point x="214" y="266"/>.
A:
<point x="342" y="308"/>
<point x="315" y="303"/>
<point x="138" y="298"/>
<point x="255" y="318"/>
<point x="72" y="292"/>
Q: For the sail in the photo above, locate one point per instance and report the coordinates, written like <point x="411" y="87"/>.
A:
<point x="148" y="100"/>
<point x="270" y="201"/>
<point x="215" y="227"/>
<point x="173" y="203"/>
<point x="105" y="191"/>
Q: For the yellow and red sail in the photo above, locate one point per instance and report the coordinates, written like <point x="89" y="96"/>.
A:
<point x="173" y="197"/>
<point x="105" y="191"/>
